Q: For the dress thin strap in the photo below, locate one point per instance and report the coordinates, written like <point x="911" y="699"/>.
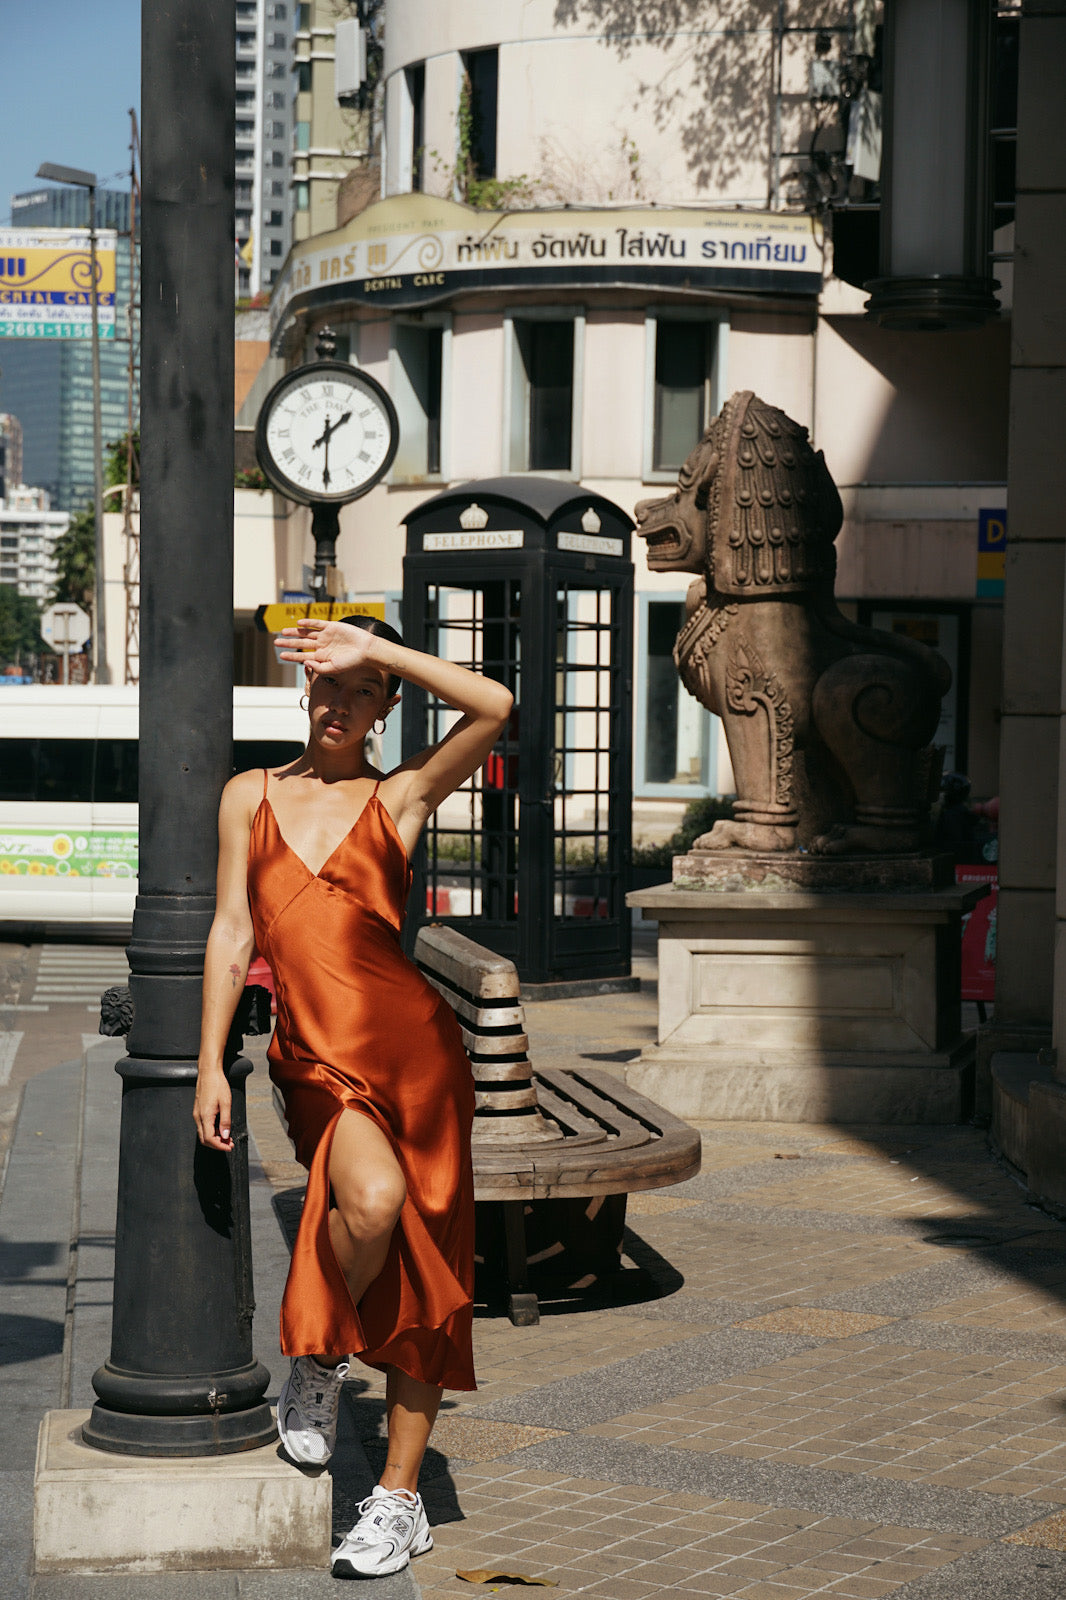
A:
<point x="377" y="786"/>
<point x="266" y="779"/>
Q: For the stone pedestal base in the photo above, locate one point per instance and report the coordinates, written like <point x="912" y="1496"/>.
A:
<point x="96" y="1512"/>
<point x="805" y="1006"/>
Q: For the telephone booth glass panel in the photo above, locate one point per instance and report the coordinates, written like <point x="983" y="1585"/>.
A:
<point x="472" y="839"/>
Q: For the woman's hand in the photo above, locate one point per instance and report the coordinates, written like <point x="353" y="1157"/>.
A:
<point x="211" y="1110"/>
<point x="327" y="646"/>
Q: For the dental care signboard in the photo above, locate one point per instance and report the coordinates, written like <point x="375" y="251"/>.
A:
<point x="413" y="250"/>
<point x="46" y="283"/>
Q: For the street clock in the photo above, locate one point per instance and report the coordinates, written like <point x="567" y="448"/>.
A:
<point x="326" y="433"/>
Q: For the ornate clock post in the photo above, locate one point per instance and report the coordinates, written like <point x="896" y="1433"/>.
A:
<point x="326" y="434"/>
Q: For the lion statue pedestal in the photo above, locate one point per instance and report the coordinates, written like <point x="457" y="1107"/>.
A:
<point x="808" y="946"/>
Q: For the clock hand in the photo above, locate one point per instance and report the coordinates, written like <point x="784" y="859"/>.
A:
<point x="328" y="429"/>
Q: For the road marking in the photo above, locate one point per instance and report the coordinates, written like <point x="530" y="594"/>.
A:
<point x="9" y="1044"/>
<point x="73" y="975"/>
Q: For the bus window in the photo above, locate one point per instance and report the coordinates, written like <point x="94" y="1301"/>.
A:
<point x="249" y="753"/>
<point x="64" y="769"/>
<point x="18" y="769"/>
<point x="115" y="773"/>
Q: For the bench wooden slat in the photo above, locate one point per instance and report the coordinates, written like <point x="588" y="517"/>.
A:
<point x="504" y="1099"/>
<point x="502" y="1016"/>
<point x="481" y="973"/>
<point x="502" y="1071"/>
<point x="508" y="1044"/>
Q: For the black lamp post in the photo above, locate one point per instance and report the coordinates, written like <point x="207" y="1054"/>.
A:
<point x="182" y="1379"/>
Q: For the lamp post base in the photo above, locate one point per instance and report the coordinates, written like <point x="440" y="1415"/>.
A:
<point x="128" y="1419"/>
<point x="930" y="304"/>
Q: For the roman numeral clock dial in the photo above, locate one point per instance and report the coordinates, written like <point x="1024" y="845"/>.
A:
<point x="327" y="432"/>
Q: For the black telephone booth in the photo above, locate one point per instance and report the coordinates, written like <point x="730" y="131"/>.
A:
<point x="529" y="581"/>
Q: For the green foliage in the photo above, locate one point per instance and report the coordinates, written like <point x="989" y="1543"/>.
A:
<point x="486" y="194"/>
<point x="75" y="555"/>
<point x="20" y="626"/>
<point x="253" y="478"/>
<point x="115" y="461"/>
<point x="700" y="817"/>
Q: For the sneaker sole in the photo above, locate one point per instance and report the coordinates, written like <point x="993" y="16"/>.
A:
<point x="386" y="1571"/>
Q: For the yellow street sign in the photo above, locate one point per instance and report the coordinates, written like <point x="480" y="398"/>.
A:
<point x="272" y="618"/>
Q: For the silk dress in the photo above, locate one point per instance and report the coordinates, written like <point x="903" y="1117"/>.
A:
<point x="359" y="1028"/>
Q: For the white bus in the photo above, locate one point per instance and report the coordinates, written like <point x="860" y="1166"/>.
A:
<point x="68" y="794"/>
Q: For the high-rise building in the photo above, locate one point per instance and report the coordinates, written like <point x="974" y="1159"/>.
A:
<point x="28" y="533"/>
<point x="329" y="138"/>
<point x="10" y="453"/>
<point x="263" y="142"/>
<point x="47" y="383"/>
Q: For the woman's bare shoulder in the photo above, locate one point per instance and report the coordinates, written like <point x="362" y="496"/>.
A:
<point x="242" y="795"/>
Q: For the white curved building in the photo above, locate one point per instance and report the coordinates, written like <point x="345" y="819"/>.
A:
<point x="642" y="243"/>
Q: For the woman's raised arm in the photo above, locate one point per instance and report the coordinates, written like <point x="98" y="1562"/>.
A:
<point x="484" y="705"/>
<point x="229" y="952"/>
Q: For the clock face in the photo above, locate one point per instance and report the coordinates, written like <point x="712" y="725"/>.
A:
<point x="327" y="431"/>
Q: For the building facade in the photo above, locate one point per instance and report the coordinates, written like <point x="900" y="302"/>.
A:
<point x="587" y="240"/>
<point x="47" y="383"/>
<point x="28" y="532"/>
<point x="263" y="142"/>
<point x="330" y="138"/>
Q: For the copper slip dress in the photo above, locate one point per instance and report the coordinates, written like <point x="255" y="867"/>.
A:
<point x="359" y="1028"/>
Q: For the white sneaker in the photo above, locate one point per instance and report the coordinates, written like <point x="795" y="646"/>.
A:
<point x="307" y="1410"/>
<point x="392" y="1527"/>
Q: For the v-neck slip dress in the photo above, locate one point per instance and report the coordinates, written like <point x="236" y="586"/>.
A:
<point x="359" y="1028"/>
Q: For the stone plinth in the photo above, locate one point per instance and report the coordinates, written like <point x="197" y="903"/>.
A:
<point x="734" y="871"/>
<point x="801" y="1005"/>
<point x="96" y="1512"/>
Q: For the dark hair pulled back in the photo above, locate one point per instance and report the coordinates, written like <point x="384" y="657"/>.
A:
<point x="383" y="630"/>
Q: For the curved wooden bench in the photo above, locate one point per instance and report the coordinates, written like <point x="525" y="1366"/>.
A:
<point x="546" y="1135"/>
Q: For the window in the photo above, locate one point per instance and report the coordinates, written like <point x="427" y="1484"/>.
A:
<point x="303" y="136"/>
<point x="416" y="383"/>
<point x="673" y="730"/>
<point x="277" y="159"/>
<point x="275" y="247"/>
<point x="277" y="188"/>
<point x="303" y="76"/>
<point x="303" y="196"/>
<point x="685" y="364"/>
<point x="482" y="71"/>
<point x="275" y="219"/>
<point x="416" y="93"/>
<point x="544" y="353"/>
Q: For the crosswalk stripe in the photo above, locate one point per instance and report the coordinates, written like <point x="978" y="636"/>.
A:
<point x="9" y="1044"/>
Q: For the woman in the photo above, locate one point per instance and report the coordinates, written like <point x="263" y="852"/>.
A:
<point x="314" y="871"/>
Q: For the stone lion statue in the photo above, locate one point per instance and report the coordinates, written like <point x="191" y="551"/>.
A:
<point x="829" y="724"/>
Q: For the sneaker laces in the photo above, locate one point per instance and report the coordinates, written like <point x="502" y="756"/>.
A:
<point x="369" y="1529"/>
<point x="318" y="1402"/>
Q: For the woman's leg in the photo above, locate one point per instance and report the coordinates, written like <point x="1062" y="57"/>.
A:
<point x="412" y="1410"/>
<point x="369" y="1191"/>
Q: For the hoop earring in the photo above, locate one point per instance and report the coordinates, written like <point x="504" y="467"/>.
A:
<point x="381" y="730"/>
<point x="304" y="702"/>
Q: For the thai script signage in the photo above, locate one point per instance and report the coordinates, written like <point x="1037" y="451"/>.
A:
<point x="46" y="283"/>
<point x="412" y="250"/>
<point x="44" y="853"/>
